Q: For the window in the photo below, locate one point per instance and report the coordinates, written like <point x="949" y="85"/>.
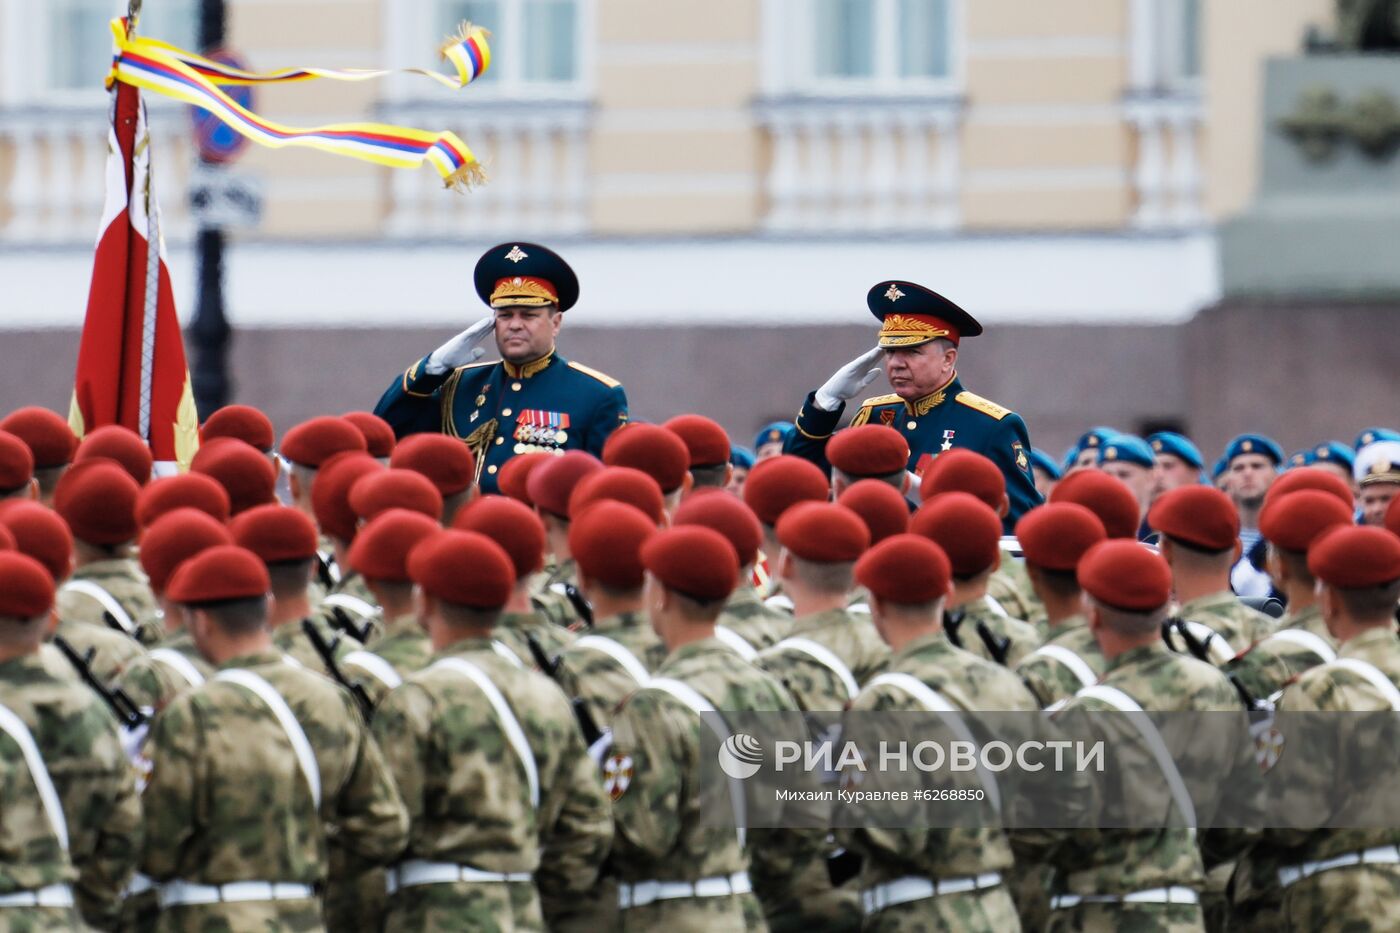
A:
<point x="1167" y="53"/>
<point x="80" y="42"/>
<point x="826" y="47"/>
<point x="535" y="43"/>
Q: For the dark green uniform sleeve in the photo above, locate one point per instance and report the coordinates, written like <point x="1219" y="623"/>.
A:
<point x="610" y="415"/>
<point x="814" y="429"/>
<point x="413" y="404"/>
<point x="1008" y="456"/>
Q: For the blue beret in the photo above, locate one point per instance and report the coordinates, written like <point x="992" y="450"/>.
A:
<point x="1178" y="445"/>
<point x="1071" y="455"/>
<point x="1042" y="461"/>
<point x="1219" y="467"/>
<point x="1094" y="437"/>
<point x="774" y="432"/>
<point x="1254" y="444"/>
<point x="1127" y="448"/>
<point x="1328" y="452"/>
<point x="1371" y="435"/>
<point x="741" y="456"/>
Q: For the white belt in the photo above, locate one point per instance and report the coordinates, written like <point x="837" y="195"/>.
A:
<point x="642" y="893"/>
<point x="55" y="895"/>
<point x="1176" y="894"/>
<point x="182" y="893"/>
<point x="139" y="884"/>
<point x="1382" y="855"/>
<point x="908" y="890"/>
<point x="415" y="873"/>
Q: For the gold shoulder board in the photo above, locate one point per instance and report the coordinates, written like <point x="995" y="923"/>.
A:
<point x="982" y="405"/>
<point x="881" y="400"/>
<point x="477" y="365"/>
<point x="604" y="378"/>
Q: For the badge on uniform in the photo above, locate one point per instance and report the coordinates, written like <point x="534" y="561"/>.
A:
<point x="887" y="417"/>
<point x="617" y="775"/>
<point x="538" y="431"/>
<point x="948" y="440"/>
<point x="1022" y="461"/>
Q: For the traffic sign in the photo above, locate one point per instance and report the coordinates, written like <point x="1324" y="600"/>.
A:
<point x="217" y="142"/>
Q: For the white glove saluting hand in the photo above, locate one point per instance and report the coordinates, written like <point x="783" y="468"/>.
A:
<point x="463" y="349"/>
<point x="849" y="380"/>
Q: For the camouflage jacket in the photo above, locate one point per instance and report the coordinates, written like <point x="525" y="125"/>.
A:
<point x="515" y="629"/>
<point x="961" y="626"/>
<point x="546" y="592"/>
<point x="757" y="624"/>
<point x="153" y="682"/>
<point x="125" y="582"/>
<point x="1119" y="861"/>
<point x="1232" y="620"/>
<point x="96" y="789"/>
<point x="849" y="635"/>
<point x="112" y="652"/>
<point x="404" y="647"/>
<point x="1011" y="586"/>
<point x="357" y="607"/>
<point x="467" y="797"/>
<point x="290" y="638"/>
<point x="968" y="683"/>
<point x="1269" y="664"/>
<point x="592" y="674"/>
<point x="1049" y="678"/>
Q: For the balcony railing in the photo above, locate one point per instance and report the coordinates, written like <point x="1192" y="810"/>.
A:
<point x="1168" y="179"/>
<point x="536" y="159"/>
<point x="849" y="164"/>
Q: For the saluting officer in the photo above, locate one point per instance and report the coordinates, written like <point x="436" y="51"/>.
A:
<point x="532" y="399"/>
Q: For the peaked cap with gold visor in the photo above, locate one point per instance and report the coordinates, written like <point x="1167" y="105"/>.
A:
<point x="911" y="315"/>
<point x="525" y="274"/>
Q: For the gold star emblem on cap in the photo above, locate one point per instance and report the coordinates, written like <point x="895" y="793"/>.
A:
<point x="516" y="254"/>
<point x="894" y="294"/>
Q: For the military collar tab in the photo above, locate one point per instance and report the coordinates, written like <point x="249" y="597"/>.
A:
<point x="922" y="406"/>
<point x="527" y="370"/>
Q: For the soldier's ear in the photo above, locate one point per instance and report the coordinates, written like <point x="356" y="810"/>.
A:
<point x="1239" y="549"/>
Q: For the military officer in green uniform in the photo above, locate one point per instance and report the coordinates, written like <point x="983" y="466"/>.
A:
<point x="918" y="344"/>
<point x="532" y="399"/>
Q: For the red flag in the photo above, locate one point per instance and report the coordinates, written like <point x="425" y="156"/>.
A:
<point x="131" y="360"/>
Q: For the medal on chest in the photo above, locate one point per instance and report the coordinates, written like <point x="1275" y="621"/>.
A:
<point x="947" y="440"/>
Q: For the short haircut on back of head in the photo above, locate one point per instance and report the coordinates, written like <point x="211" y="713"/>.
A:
<point x="1132" y="624"/>
<point x="468" y="617"/>
<point x="709" y="477"/>
<point x="48" y="478"/>
<point x="15" y="631"/>
<point x="237" y="616"/>
<point x="907" y="611"/>
<point x="895" y="480"/>
<point x="1372" y="603"/>
<point x="289" y="577"/>
<point x="616" y="592"/>
<point x="1200" y="556"/>
<point x="1297" y="564"/>
<point x="1063" y="584"/>
<point x="698" y="610"/>
<point x="824" y="578"/>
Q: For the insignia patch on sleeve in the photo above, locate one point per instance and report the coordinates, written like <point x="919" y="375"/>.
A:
<point x="1022" y="461"/>
<point x="617" y="775"/>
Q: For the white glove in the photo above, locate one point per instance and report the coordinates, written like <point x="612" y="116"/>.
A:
<point x="849" y="380"/>
<point x="463" y="349"/>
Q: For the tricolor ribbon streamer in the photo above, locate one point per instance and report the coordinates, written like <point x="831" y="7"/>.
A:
<point x="171" y="72"/>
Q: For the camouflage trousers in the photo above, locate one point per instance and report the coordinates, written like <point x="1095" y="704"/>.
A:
<point x="731" y="914"/>
<point x="987" y="911"/>
<point x="466" y="907"/>
<point x="303" y="916"/>
<point x="1356" y="899"/>
<point x="1128" y="918"/>
<point x="39" y="919"/>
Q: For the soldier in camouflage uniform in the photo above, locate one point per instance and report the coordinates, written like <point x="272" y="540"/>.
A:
<point x="928" y="878"/>
<point x="349" y="606"/>
<point x="79" y="846"/>
<point x="773" y="486"/>
<point x="1147" y="878"/>
<point x="507" y="809"/>
<point x="223" y="856"/>
<point x="1200" y="530"/>
<point x="969" y="532"/>
<point x="97" y="499"/>
<point x="549" y="487"/>
<point x="676" y="872"/>
<point x="1054" y="538"/>
<point x="1342" y="879"/>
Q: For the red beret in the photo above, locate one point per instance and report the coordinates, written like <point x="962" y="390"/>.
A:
<point x="395" y="489"/>
<point x="313" y="442"/>
<point x="705" y="441"/>
<point x="247" y="476"/>
<point x="463" y="568"/>
<point x="550" y="485"/>
<point x="446" y="461"/>
<point x="651" y="449"/>
<point x="622" y="484"/>
<point x="962" y="470"/>
<point x="883" y="509"/>
<point x="606" y="542"/>
<point x="26" y="589"/>
<point x="694" y="561"/>
<point x="174" y="538"/>
<point x="378" y="435"/>
<point x="7" y="540"/>
<point x="1106" y="496"/>
<point x="381" y="548"/>
<point x="330" y="492"/>
<point x="780" y="482"/>
<point x="512" y="525"/>
<point x="726" y="514"/>
<point x="41" y="534"/>
<point x="225" y="571"/>
<point x="1200" y="516"/>
<point x="965" y="527"/>
<point x="240" y="422"/>
<point x="1294" y="521"/>
<point x="276" y="533"/>
<point x="823" y="532"/>
<point x="515" y="475"/>
<point x="868" y="450"/>
<point x="188" y="490"/>
<point x="1056" y="536"/>
<point x="1392" y="516"/>
<point x="98" y="501"/>
<point x="1125" y="575"/>
<point x="1310" y="478"/>
<point x="905" y="569"/>
<point x="1357" y="557"/>
<point x="121" y="444"/>
<point x="48" y="436"/>
<point x="16" y="462"/>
